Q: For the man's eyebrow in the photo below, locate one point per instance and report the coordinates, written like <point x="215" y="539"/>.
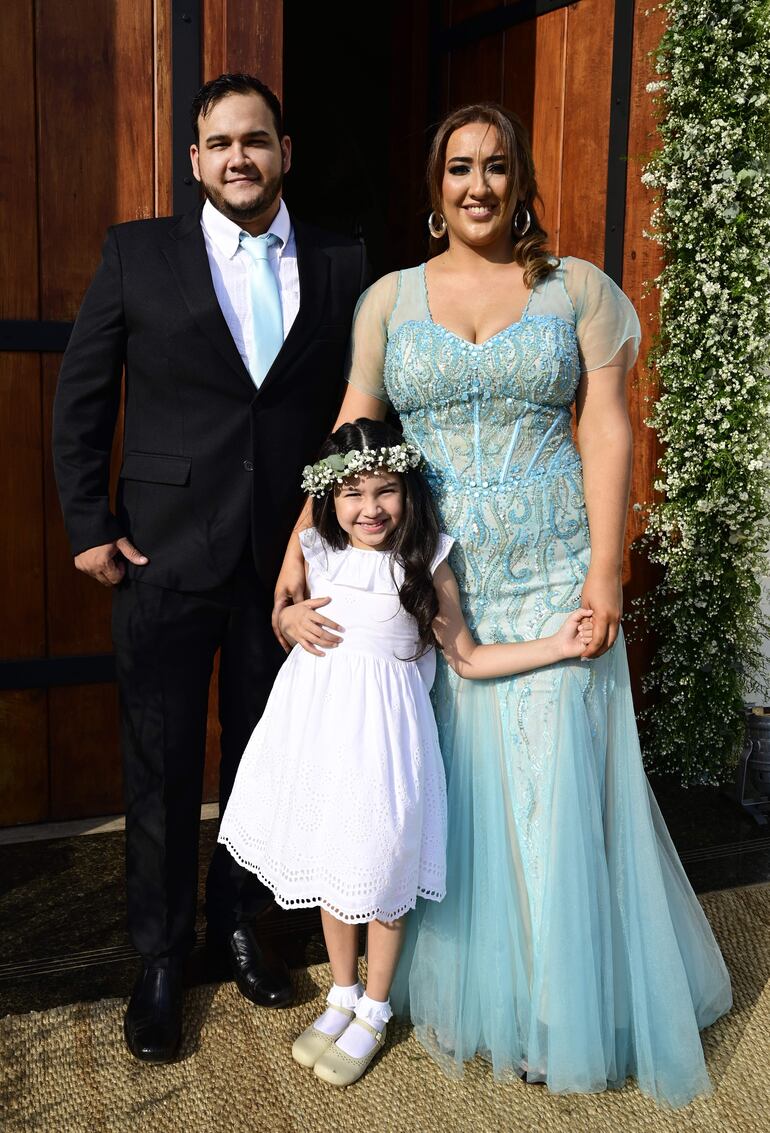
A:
<point x="226" y="137"/>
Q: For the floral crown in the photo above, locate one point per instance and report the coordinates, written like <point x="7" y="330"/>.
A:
<point x="318" y="478"/>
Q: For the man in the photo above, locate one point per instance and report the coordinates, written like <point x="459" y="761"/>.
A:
<point x="232" y="324"/>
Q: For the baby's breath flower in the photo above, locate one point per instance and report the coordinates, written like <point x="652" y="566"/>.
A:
<point x="318" y="478"/>
<point x="712" y="363"/>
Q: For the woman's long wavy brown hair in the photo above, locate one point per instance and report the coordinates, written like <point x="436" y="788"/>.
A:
<point x="529" y="251"/>
<point x="415" y="539"/>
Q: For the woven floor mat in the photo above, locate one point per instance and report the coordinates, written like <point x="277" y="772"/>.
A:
<point x="67" y="1070"/>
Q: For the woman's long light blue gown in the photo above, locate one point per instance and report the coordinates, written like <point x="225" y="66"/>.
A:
<point x="570" y="942"/>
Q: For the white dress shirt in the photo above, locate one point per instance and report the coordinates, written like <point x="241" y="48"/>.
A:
<point x="229" y="265"/>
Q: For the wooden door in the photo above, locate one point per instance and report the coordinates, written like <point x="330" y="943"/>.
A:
<point x="95" y="131"/>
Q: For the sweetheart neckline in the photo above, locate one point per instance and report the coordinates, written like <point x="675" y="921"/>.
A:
<point x="460" y="337"/>
<point x="492" y="337"/>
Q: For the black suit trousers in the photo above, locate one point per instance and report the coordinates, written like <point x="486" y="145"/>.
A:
<point x="165" y="644"/>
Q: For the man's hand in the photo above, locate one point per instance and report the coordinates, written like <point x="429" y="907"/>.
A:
<point x="105" y="563"/>
<point x="303" y="625"/>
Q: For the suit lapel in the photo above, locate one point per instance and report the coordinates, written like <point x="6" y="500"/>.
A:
<point x="313" y="270"/>
<point x="185" y="251"/>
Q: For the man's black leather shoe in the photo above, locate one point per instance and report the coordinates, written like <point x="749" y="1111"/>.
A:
<point x="153" y="1022"/>
<point x="261" y="977"/>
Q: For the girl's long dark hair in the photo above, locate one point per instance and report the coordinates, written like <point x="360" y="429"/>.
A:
<point x="414" y="540"/>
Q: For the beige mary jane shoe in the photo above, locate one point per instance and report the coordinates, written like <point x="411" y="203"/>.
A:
<point x="311" y="1044"/>
<point x="341" y="1069"/>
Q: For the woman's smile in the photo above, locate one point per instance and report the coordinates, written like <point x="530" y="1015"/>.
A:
<point x="480" y="212"/>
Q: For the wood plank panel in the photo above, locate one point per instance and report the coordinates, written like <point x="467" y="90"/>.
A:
<point x="642" y="259"/>
<point x="520" y="70"/>
<point x="254" y="40"/>
<point x="18" y="221"/>
<point x="86" y="776"/>
<point x="94" y="65"/>
<point x="476" y="72"/>
<point x="24" y="763"/>
<point x="642" y="262"/>
<point x="588" y="81"/>
<point x="78" y="608"/>
<point x="23" y="714"/>
<point x="22" y="552"/>
<point x="548" y="119"/>
<point x="533" y="86"/>
<point x="163" y="111"/>
<point x="213" y="38"/>
<point x="22" y="627"/>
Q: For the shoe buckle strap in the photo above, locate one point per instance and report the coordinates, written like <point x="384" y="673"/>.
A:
<point x="349" y="1011"/>
<point x="368" y="1027"/>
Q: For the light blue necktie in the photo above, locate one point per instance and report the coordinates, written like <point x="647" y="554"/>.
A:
<point x="266" y="310"/>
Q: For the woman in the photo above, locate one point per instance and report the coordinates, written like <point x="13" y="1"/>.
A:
<point x="570" y="948"/>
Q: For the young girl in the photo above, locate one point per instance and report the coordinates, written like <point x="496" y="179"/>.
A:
<point x="340" y="798"/>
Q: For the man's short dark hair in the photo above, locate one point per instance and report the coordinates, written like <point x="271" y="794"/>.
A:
<point x="215" y="90"/>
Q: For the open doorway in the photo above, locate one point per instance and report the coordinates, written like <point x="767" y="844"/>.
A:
<point x="356" y="91"/>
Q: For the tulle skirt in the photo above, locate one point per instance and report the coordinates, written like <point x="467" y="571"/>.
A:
<point x="570" y="944"/>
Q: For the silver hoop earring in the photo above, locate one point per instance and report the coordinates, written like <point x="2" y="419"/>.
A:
<point x="437" y="228"/>
<point x="519" y="228"/>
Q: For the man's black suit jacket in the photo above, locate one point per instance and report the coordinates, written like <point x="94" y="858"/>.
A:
<point x="206" y="457"/>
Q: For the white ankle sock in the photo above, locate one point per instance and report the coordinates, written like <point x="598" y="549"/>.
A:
<point x="332" y="1020"/>
<point x="357" y="1041"/>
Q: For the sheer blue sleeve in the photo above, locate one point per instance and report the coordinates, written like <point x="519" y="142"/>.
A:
<point x="607" y="325"/>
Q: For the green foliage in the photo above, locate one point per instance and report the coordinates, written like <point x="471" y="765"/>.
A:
<point x="712" y="360"/>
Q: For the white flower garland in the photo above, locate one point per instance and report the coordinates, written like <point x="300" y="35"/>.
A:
<point x="712" y="361"/>
<point x="318" y="478"/>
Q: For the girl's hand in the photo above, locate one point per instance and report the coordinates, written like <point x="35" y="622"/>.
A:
<point x="574" y="636"/>
<point x="603" y="596"/>
<point x="302" y="625"/>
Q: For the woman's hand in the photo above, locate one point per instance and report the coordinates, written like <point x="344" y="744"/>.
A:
<point x="302" y="625"/>
<point x="289" y="589"/>
<point x="603" y="596"/>
<point x="574" y="635"/>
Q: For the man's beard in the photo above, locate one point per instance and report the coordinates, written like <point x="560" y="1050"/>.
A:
<point x="269" y="191"/>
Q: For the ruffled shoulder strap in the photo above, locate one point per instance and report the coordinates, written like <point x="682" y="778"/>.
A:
<point x="445" y="544"/>
<point x="317" y="553"/>
<point x="364" y="570"/>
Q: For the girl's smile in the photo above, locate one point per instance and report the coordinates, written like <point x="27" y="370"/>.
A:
<point x="369" y="509"/>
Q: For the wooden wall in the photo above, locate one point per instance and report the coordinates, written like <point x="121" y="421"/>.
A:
<point x="85" y="139"/>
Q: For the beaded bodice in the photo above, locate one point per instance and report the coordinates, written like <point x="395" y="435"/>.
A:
<point x="493" y="421"/>
<point x="486" y="416"/>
